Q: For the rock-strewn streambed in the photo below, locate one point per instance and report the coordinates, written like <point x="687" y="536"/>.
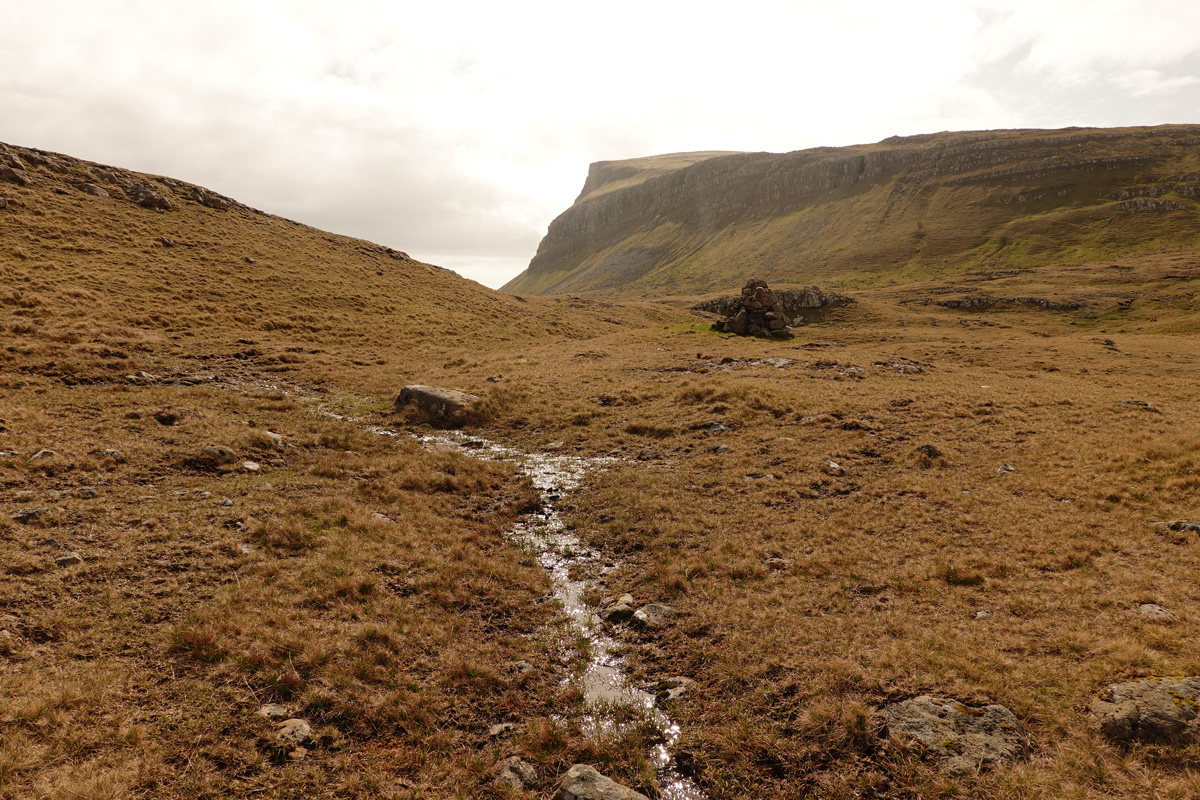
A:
<point x="574" y="569"/>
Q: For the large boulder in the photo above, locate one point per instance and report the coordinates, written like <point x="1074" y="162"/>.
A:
<point x="445" y="407"/>
<point x="963" y="738"/>
<point x="1149" y="710"/>
<point x="584" y="783"/>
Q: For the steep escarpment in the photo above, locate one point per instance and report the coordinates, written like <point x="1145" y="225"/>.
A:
<point x="904" y="207"/>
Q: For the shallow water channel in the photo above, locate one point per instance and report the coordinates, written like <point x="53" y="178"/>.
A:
<point x="608" y="693"/>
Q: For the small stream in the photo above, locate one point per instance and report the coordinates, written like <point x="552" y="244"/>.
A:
<point x="605" y="686"/>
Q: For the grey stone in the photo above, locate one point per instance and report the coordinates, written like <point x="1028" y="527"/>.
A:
<point x="86" y="492"/>
<point x="40" y="454"/>
<point x="670" y="689"/>
<point x="500" y="729"/>
<point x="584" y="783"/>
<point x="443" y="406"/>
<point x="652" y="615"/>
<point x="69" y="560"/>
<point x="963" y="738"/>
<point x="251" y="466"/>
<point x="930" y="450"/>
<point x="115" y="455"/>
<point x="30" y="516"/>
<point x="618" y="608"/>
<point x="718" y="449"/>
<point x="1149" y="710"/>
<point x="293" y="733"/>
<point x="1003" y="468"/>
<point x="273" y="712"/>
<point x="519" y="667"/>
<point x="718" y="427"/>
<point x="1156" y="612"/>
<point x="516" y="773"/>
<point x="218" y="454"/>
<point x="375" y="515"/>
<point x="3" y="202"/>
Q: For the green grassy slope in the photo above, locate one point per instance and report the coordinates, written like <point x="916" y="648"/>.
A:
<point x="904" y="208"/>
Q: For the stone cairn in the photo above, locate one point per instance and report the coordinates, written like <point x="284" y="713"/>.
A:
<point x="758" y="313"/>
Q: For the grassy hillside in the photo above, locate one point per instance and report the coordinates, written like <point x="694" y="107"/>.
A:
<point x="368" y="584"/>
<point x="865" y="215"/>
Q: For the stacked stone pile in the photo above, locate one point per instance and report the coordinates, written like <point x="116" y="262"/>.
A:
<point x="759" y="312"/>
<point x="793" y="301"/>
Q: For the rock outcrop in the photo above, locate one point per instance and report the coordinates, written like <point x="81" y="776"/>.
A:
<point x="1150" y="710"/>
<point x="963" y="738"/>
<point x="442" y="407"/>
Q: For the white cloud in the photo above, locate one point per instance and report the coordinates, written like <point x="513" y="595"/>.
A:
<point x="457" y="131"/>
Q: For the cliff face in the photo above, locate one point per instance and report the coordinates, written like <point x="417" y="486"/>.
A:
<point x="944" y="202"/>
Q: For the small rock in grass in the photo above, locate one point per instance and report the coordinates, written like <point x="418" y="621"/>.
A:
<point x="669" y="689"/>
<point x="166" y="416"/>
<point x="375" y="515"/>
<point x="115" y="455"/>
<point x="516" y="773"/>
<point x="831" y="467"/>
<point x="86" y="492"/>
<point x="272" y="711"/>
<point x="500" y="729"/>
<point x="1149" y="710"/>
<point x="251" y="466"/>
<point x="519" y="668"/>
<point x="963" y="738"/>
<point x="218" y="454"/>
<point x="69" y="560"/>
<point x="42" y="454"/>
<point x="584" y="783"/>
<point x="30" y="516"/>
<point x="929" y="450"/>
<point x="1156" y="612"/>
<point x="616" y="609"/>
<point x="1003" y="468"/>
<point x="718" y="449"/>
<point x="293" y="733"/>
<point x="652" y="615"/>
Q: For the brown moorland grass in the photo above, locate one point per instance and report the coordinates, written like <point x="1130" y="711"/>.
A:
<point x="807" y="596"/>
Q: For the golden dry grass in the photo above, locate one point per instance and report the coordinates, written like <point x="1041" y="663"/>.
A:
<point x="807" y="597"/>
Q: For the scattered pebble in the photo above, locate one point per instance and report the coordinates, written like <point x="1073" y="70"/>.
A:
<point x="833" y="468"/>
<point x="86" y="492"/>
<point x="930" y="450"/>
<point x="251" y="466"/>
<point x="1005" y="468"/>
<point x="272" y="711"/>
<point x="69" y="560"/>
<point x="500" y="729"/>
<point x="40" y="454"/>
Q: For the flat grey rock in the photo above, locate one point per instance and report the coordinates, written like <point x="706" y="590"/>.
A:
<point x="69" y="560"/>
<point x="293" y="733"/>
<point x="272" y="711"/>
<point x="516" y="773"/>
<point x="1149" y="710"/>
<point x="1156" y="612"/>
<point x="963" y="738"/>
<point x="445" y="407"/>
<point x="652" y="615"/>
<point x="618" y="608"/>
<point x="584" y="783"/>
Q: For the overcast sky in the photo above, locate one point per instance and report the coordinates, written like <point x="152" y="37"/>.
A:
<point x="456" y="131"/>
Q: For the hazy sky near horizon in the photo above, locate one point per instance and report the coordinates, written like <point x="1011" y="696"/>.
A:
<point x="457" y="131"/>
